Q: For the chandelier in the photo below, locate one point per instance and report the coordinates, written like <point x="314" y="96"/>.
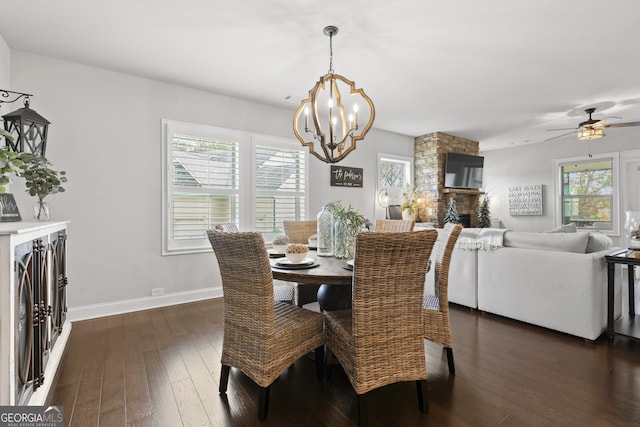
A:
<point x="331" y="116"/>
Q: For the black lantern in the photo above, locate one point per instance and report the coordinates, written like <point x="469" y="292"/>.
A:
<point x="28" y="128"/>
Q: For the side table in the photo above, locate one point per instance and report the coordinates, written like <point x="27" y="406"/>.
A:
<point x="627" y="325"/>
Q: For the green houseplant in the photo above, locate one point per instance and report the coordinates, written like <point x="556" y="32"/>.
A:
<point x="10" y="162"/>
<point x="41" y="180"/>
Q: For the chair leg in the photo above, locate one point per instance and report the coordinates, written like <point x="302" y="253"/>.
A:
<point x="452" y="366"/>
<point x="263" y="405"/>
<point x="363" y="417"/>
<point x="320" y="362"/>
<point x="224" y="378"/>
<point x="423" y="400"/>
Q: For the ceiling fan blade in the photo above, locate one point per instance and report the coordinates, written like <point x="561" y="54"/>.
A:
<point x="552" y="130"/>
<point x="622" y="125"/>
<point x="560" y="136"/>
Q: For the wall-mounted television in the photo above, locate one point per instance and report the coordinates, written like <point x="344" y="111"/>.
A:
<point x="463" y="171"/>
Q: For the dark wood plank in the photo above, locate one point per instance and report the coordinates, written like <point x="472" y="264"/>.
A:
<point x="164" y="364"/>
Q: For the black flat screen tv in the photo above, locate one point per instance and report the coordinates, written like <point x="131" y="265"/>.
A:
<point x="463" y="171"/>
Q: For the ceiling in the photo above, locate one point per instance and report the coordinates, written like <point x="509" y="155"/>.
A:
<point x="500" y="72"/>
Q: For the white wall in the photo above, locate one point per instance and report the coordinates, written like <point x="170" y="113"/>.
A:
<point x="5" y="69"/>
<point x="106" y="133"/>
<point x="533" y="164"/>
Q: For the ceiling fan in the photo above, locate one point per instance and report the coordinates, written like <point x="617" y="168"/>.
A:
<point x="591" y="128"/>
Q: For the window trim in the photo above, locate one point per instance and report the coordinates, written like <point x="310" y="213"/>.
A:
<point x="615" y="208"/>
<point x="247" y="189"/>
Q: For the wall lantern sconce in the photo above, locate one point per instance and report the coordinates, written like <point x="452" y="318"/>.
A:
<point x="28" y="128"/>
<point x="332" y="116"/>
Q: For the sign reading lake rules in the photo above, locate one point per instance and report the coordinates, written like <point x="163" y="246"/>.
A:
<point x="344" y="176"/>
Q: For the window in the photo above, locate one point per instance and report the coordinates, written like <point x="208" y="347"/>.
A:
<point x="213" y="176"/>
<point x="588" y="192"/>
<point x="395" y="175"/>
<point x="280" y="176"/>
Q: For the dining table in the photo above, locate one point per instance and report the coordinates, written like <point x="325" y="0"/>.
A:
<point x="332" y="274"/>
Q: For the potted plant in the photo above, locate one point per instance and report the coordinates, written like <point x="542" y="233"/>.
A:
<point x="41" y="180"/>
<point x="10" y="162"/>
<point x="348" y="223"/>
<point x="410" y="203"/>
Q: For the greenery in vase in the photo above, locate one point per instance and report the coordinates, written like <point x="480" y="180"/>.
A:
<point x="348" y="223"/>
<point x="452" y="213"/>
<point x="40" y="179"/>
<point x="411" y="200"/>
<point x="484" y="215"/>
<point x="10" y="162"/>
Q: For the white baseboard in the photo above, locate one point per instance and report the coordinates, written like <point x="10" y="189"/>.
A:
<point x="75" y="314"/>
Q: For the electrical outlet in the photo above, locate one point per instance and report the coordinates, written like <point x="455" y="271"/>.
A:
<point x="156" y="292"/>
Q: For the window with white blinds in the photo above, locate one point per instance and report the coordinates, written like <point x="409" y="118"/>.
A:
<point x="280" y="176"/>
<point x="214" y="176"/>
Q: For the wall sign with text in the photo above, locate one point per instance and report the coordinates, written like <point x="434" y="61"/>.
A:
<point x="344" y="176"/>
<point x="8" y="208"/>
<point x="525" y="200"/>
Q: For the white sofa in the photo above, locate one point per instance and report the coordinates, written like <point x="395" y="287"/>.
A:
<point x="546" y="279"/>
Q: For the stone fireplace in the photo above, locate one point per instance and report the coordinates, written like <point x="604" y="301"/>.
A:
<point x="429" y="161"/>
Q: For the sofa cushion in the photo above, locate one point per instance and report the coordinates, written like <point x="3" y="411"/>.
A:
<point x="565" y="242"/>
<point x="565" y="228"/>
<point x="598" y="242"/>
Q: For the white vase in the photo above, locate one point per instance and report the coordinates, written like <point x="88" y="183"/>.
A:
<point x="407" y="215"/>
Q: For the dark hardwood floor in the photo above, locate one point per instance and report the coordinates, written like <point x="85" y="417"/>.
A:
<point x="161" y="367"/>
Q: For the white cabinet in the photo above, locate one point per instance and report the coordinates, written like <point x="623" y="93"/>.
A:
<point x="33" y="308"/>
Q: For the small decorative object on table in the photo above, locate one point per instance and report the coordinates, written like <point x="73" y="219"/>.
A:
<point x="296" y="252"/>
<point x="280" y="243"/>
<point x="632" y="229"/>
<point x="41" y="181"/>
<point x="313" y="241"/>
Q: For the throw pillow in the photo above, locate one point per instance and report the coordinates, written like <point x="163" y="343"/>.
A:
<point x="565" y="228"/>
<point x="565" y="242"/>
<point x="598" y="242"/>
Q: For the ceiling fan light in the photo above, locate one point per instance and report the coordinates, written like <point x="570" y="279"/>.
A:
<point x="588" y="133"/>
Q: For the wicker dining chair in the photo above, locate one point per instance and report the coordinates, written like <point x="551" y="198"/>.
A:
<point x="261" y="337"/>
<point x="282" y="291"/>
<point x="394" y="225"/>
<point x="299" y="232"/>
<point x="379" y="341"/>
<point x="437" y="327"/>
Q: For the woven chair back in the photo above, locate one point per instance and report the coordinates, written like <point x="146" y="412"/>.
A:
<point x="300" y="231"/>
<point x="388" y="283"/>
<point x="394" y="225"/>
<point x="448" y="239"/>
<point x="247" y="284"/>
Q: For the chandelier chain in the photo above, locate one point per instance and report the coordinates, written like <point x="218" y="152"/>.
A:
<point x="331" y="53"/>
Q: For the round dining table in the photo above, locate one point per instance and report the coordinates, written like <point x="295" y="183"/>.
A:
<point x="334" y="276"/>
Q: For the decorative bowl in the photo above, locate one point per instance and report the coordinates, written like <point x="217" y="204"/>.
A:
<point x="296" y="258"/>
<point x="296" y="252"/>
